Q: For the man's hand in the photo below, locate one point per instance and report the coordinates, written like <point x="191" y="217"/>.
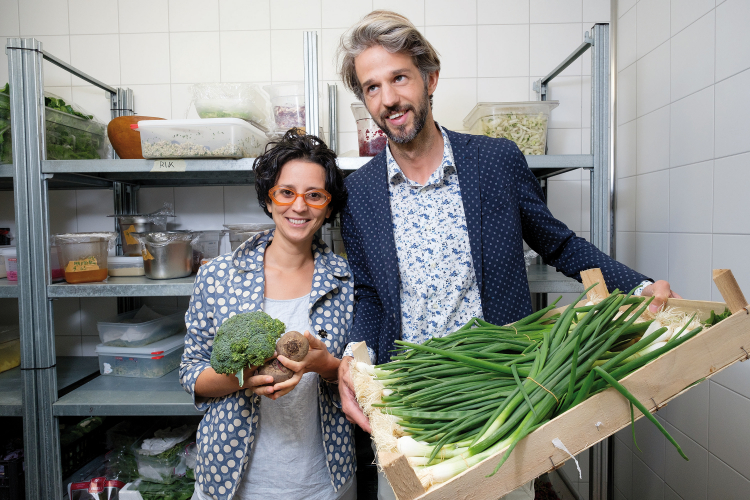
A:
<point x="661" y="292"/>
<point x="348" y="400"/>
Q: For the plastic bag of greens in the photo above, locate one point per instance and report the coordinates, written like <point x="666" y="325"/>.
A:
<point x="182" y="489"/>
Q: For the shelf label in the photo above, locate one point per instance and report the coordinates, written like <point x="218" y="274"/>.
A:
<point x="169" y="166"/>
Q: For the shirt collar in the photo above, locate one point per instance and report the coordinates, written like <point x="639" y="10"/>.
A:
<point x="446" y="167"/>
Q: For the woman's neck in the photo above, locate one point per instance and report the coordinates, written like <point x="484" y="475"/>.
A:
<point x="287" y="255"/>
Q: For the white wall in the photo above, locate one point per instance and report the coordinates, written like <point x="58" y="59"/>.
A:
<point x="683" y="168"/>
<point x="492" y="50"/>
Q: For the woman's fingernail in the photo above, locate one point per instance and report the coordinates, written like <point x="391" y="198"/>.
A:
<point x="652" y="308"/>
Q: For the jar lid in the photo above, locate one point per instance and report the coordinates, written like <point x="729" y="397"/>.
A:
<point x="120" y="259"/>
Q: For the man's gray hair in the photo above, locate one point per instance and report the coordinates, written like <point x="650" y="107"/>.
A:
<point x="395" y="33"/>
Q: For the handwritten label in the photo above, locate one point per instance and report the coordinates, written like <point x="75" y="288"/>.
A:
<point x="169" y="166"/>
<point x="129" y="239"/>
<point x="147" y="255"/>
<point x="80" y="265"/>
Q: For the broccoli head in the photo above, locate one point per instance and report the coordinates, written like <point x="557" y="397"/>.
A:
<point x="247" y="339"/>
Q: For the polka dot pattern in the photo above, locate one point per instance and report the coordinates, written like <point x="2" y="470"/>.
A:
<point x="232" y="284"/>
<point x="504" y="206"/>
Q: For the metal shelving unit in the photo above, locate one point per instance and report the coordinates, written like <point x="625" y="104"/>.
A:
<point x="34" y="176"/>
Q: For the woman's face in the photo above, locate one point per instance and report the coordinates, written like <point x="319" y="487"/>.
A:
<point x="298" y="222"/>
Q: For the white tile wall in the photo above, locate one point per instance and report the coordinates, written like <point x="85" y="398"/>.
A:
<point x="652" y="80"/>
<point x="692" y="59"/>
<point x="732" y="116"/>
<point x="653" y="25"/>
<point x="725" y="482"/>
<point x="652" y="139"/>
<point x="688" y="479"/>
<point x="732" y="38"/>
<point x="692" y="128"/>
<point x="691" y="198"/>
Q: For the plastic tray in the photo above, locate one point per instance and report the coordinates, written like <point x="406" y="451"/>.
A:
<point x="212" y="137"/>
<point x="152" y="361"/>
<point x="524" y="123"/>
<point x="123" y="332"/>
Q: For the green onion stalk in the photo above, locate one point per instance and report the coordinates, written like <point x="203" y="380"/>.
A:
<point x="453" y="401"/>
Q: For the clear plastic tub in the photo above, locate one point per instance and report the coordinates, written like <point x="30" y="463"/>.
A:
<point x="11" y="263"/>
<point x="142" y="327"/>
<point x="164" y="466"/>
<point x="152" y="361"/>
<point x="125" y="266"/>
<point x="209" y="138"/>
<point x="239" y="233"/>
<point x="233" y="100"/>
<point x="524" y="123"/>
<point x="10" y="348"/>
<point x="69" y="137"/>
<point x="3" y="268"/>
<point x="83" y="256"/>
<point x="371" y="138"/>
<point x="205" y="248"/>
<point x="288" y="105"/>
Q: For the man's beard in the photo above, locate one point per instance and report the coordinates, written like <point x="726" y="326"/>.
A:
<point x="399" y="135"/>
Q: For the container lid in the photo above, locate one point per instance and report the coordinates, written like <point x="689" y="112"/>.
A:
<point x="201" y="122"/>
<point x="285" y="89"/>
<point x="250" y="228"/>
<point x="156" y="350"/>
<point x="7" y="250"/>
<point x="483" y="109"/>
<point x="119" y="259"/>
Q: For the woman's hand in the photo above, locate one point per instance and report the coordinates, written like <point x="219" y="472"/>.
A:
<point x="259" y="384"/>
<point x="317" y="360"/>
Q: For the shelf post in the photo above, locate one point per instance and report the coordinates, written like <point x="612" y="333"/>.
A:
<point x="602" y="215"/>
<point x="25" y="59"/>
<point x="312" y="104"/>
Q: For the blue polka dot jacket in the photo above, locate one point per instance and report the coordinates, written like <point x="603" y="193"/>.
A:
<point x="232" y="284"/>
<point x="504" y="206"/>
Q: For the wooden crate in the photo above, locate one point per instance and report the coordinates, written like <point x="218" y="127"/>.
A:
<point x="601" y="415"/>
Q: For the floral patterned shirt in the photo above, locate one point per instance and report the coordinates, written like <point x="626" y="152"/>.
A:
<point x="439" y="291"/>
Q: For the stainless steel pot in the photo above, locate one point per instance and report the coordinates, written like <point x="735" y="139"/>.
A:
<point x="130" y="224"/>
<point x="167" y="254"/>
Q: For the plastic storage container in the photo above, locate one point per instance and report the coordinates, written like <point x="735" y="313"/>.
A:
<point x="165" y="466"/>
<point x="524" y="123"/>
<point x="288" y="105"/>
<point x="10" y="348"/>
<point x="125" y="266"/>
<point x="3" y="269"/>
<point x="83" y="256"/>
<point x="209" y="138"/>
<point x="151" y="361"/>
<point x="233" y="100"/>
<point x="239" y="233"/>
<point x="142" y="327"/>
<point x="68" y="137"/>
<point x="205" y="248"/>
<point x="11" y="263"/>
<point x="371" y="138"/>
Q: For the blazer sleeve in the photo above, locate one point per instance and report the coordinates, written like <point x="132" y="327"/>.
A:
<point x="556" y="243"/>
<point x="198" y="340"/>
<point x="368" y="308"/>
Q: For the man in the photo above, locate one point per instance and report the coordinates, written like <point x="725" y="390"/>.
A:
<point x="435" y="224"/>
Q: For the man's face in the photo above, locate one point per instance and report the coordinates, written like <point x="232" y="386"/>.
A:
<point x="395" y="93"/>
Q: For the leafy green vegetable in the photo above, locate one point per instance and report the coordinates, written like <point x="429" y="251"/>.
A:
<point x="715" y="318"/>
<point x="70" y="134"/>
<point x="182" y="489"/>
<point x="243" y="340"/>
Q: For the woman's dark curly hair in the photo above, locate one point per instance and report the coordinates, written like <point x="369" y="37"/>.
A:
<point x="295" y="146"/>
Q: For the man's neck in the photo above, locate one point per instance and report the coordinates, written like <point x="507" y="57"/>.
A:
<point x="419" y="158"/>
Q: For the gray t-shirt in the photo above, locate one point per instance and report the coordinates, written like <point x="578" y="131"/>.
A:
<point x="288" y="458"/>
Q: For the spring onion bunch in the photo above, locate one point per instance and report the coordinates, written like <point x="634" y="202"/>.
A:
<point x="454" y="401"/>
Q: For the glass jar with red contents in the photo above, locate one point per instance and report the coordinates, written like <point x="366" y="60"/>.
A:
<point x="371" y="139"/>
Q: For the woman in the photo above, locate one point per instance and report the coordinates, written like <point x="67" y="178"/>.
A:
<point x="295" y="442"/>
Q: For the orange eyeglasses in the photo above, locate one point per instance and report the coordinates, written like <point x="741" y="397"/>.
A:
<point x="284" y="196"/>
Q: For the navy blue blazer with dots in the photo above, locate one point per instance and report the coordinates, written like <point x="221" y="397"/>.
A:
<point x="504" y="206"/>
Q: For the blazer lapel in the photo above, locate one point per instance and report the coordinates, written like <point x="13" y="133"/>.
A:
<point x="383" y="221"/>
<point x="467" y="166"/>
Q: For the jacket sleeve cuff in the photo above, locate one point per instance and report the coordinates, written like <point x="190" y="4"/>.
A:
<point x="643" y="285"/>
<point x="348" y="352"/>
